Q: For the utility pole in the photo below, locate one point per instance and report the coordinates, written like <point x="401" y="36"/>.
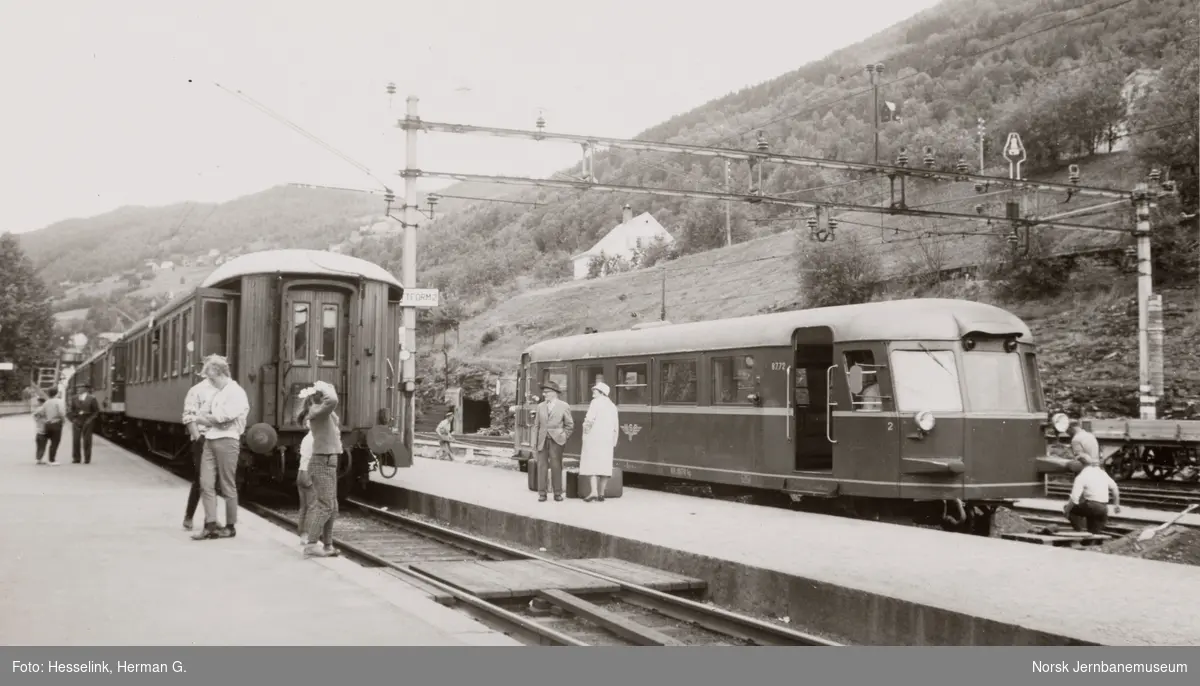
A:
<point x="1141" y="199"/>
<point x="872" y="70"/>
<point x="409" y="273"/>
<point x="728" y="226"/>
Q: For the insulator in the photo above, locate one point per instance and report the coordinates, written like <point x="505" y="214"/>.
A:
<point x="1074" y="174"/>
<point x="391" y="88"/>
<point x="832" y="224"/>
<point x="1012" y="239"/>
<point x="812" y="223"/>
<point x="762" y="142"/>
<point x="979" y="209"/>
<point x="979" y="187"/>
<point x="1155" y="174"/>
<point x="541" y="122"/>
<point x="902" y="158"/>
<point x="961" y="166"/>
<point x="929" y="159"/>
<point x="389" y="197"/>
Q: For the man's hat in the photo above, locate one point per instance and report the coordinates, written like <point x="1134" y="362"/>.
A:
<point x="551" y="386"/>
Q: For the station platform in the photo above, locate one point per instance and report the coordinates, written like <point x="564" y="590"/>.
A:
<point x="96" y="555"/>
<point x="857" y="581"/>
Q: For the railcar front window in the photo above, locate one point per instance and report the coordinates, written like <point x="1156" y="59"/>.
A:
<point x="995" y="382"/>
<point x="926" y="380"/>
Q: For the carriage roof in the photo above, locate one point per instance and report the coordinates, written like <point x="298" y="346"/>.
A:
<point x="894" y="320"/>
<point x="294" y="261"/>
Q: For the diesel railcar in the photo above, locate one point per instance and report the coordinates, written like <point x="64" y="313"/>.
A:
<point x="284" y="319"/>
<point x="924" y="409"/>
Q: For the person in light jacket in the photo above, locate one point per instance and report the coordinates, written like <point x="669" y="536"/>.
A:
<point x="552" y="428"/>
<point x="322" y="469"/>
<point x="601" y="429"/>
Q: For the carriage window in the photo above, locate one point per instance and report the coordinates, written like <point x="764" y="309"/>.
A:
<point x="173" y="349"/>
<point x="300" y="333"/>
<point x="632" y="385"/>
<point x="588" y="376"/>
<point x="926" y="380"/>
<point x="733" y="379"/>
<point x="329" y="326"/>
<point x="559" y="376"/>
<point x="995" y="382"/>
<point x="679" y="381"/>
<point x="216" y="321"/>
<point x="871" y="399"/>
<point x="1033" y="384"/>
<point x="185" y="356"/>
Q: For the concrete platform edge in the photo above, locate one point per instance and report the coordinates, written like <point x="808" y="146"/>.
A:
<point x="845" y="614"/>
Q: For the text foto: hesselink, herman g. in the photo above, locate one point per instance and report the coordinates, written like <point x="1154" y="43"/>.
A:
<point x="91" y="667"/>
<point x="1109" y="667"/>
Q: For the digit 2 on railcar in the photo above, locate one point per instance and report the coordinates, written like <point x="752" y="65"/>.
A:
<point x="927" y="409"/>
<point x="284" y="319"/>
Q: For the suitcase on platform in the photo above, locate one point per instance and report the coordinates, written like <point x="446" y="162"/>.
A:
<point x="532" y="474"/>
<point x="581" y="486"/>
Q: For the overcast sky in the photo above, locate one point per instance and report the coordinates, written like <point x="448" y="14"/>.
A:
<point x="112" y="102"/>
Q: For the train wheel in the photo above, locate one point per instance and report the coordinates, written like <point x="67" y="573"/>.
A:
<point x="1157" y="464"/>
<point x="1122" y="464"/>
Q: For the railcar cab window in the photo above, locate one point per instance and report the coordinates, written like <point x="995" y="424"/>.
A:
<point x="588" y="376"/>
<point x="1033" y="383"/>
<point x="732" y="379"/>
<point x="994" y="381"/>
<point x="860" y="366"/>
<point x="679" y="382"/>
<point x="632" y="384"/>
<point x="926" y="380"/>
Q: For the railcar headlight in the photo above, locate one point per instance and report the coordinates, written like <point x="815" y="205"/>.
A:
<point x="1061" y="422"/>
<point x="925" y="420"/>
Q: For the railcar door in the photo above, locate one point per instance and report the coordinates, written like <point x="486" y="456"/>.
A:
<point x="117" y="377"/>
<point x="316" y="340"/>
<point x="525" y="407"/>
<point x="811" y="412"/>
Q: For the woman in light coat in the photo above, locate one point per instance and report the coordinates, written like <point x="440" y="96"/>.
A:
<point x="601" y="428"/>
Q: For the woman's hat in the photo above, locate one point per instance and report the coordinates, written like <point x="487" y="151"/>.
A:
<point x="550" y="385"/>
<point x="602" y="387"/>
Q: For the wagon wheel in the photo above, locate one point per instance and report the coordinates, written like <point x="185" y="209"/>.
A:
<point x="1122" y="464"/>
<point x="1157" y="463"/>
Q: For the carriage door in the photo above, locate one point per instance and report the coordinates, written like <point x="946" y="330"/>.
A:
<point x="812" y="424"/>
<point x="317" y="337"/>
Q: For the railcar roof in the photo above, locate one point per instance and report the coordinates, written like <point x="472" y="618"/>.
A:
<point x="298" y="262"/>
<point x="896" y="320"/>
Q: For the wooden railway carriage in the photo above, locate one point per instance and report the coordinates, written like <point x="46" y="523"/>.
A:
<point x="283" y="319"/>
<point x="925" y="408"/>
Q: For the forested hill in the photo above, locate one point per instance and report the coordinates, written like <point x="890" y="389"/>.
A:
<point x="1051" y="69"/>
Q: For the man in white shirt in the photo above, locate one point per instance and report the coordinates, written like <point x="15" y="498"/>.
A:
<point x="225" y="420"/>
<point x="197" y="400"/>
<point x="1088" y="504"/>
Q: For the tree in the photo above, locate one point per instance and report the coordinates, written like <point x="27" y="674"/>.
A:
<point x="844" y="272"/>
<point x="26" y="325"/>
<point x="1164" y="122"/>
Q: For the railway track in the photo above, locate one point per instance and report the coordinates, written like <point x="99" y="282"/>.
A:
<point x="635" y="615"/>
<point x="1174" y="499"/>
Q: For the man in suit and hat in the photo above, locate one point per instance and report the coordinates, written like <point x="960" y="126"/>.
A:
<point x="83" y="414"/>
<point x="552" y="426"/>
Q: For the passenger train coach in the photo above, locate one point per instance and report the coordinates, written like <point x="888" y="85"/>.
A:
<point x="927" y="409"/>
<point x="284" y="319"/>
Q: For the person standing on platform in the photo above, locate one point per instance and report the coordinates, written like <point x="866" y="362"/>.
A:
<point x="326" y="431"/>
<point x="445" y="430"/>
<point x="601" y="429"/>
<point x="1088" y="503"/>
<point x="56" y="415"/>
<point x="39" y="420"/>
<point x="225" y="419"/>
<point x="196" y="401"/>
<point x="552" y="426"/>
<point x="84" y="412"/>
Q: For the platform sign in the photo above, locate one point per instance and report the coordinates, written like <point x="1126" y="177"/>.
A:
<point x="420" y="297"/>
<point x="6" y="366"/>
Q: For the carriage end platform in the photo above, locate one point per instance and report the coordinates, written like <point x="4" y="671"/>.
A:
<point x="96" y="555"/>
<point x="857" y="581"/>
